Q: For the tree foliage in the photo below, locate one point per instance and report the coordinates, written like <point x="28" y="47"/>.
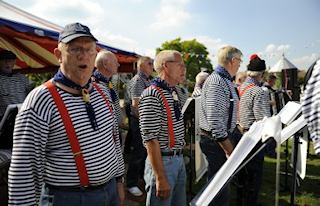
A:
<point x="38" y="79"/>
<point x="194" y="55"/>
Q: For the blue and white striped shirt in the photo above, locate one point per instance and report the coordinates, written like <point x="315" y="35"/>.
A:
<point x="311" y="106"/>
<point x="254" y="103"/>
<point x="215" y="106"/>
<point x="42" y="152"/>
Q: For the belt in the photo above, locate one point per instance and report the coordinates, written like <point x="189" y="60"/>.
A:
<point x="242" y="129"/>
<point x="172" y="152"/>
<point x="77" y="188"/>
<point x="204" y="132"/>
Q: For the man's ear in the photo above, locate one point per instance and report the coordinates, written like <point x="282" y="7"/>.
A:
<point x="58" y="54"/>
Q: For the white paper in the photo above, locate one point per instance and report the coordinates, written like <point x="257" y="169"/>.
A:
<point x="185" y="106"/>
<point x="201" y="162"/>
<point x="292" y="128"/>
<point x="243" y="148"/>
<point x="289" y="112"/>
<point x="301" y="166"/>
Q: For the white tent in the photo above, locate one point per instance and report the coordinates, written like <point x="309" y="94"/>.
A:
<point x="282" y="64"/>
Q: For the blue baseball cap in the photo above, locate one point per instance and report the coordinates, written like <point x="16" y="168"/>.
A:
<point x="73" y="31"/>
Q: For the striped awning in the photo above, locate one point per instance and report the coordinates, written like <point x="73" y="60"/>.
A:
<point x="34" y="42"/>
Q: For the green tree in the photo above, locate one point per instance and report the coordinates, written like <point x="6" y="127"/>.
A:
<point x="194" y="56"/>
<point x="38" y="79"/>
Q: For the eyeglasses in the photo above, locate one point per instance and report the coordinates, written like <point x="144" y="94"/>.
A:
<point x="180" y="64"/>
<point x="79" y="50"/>
<point x="239" y="59"/>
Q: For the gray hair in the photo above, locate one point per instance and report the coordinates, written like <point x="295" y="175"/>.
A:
<point x="201" y="76"/>
<point x="142" y="60"/>
<point x="254" y="73"/>
<point x="226" y="53"/>
<point x="165" y="55"/>
<point x="102" y="55"/>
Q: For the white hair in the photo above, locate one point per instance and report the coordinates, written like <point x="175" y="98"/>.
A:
<point x="201" y="76"/>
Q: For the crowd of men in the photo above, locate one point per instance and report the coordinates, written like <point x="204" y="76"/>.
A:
<point x="67" y="147"/>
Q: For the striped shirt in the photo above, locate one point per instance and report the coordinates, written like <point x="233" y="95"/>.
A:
<point x="137" y="84"/>
<point x="254" y="103"/>
<point x="13" y="90"/>
<point x="196" y="92"/>
<point x="215" y="106"/>
<point x="42" y="152"/>
<point x="116" y="104"/>
<point x="311" y="108"/>
<point x="154" y="122"/>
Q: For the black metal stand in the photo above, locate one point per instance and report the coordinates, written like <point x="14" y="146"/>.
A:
<point x="296" y="143"/>
<point x="286" y="186"/>
<point x="192" y="136"/>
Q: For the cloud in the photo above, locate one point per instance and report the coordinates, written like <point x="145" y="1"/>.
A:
<point x="114" y="40"/>
<point x="272" y="49"/>
<point x="303" y="63"/>
<point x="69" y="11"/>
<point x="171" y="14"/>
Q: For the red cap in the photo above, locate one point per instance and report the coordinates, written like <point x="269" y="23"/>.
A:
<point x="253" y="56"/>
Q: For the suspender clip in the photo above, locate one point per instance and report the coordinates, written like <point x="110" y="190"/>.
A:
<point x="77" y="154"/>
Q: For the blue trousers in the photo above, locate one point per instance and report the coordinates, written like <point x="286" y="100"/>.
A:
<point x="175" y="169"/>
<point x="104" y="196"/>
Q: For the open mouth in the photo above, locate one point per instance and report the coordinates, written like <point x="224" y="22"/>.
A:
<point x="83" y="66"/>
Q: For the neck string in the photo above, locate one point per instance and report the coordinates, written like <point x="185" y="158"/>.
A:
<point x="108" y="83"/>
<point x="59" y="77"/>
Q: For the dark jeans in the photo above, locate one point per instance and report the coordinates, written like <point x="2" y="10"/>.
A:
<point x="104" y="196"/>
<point x="216" y="158"/>
<point x="128" y="141"/>
<point x="270" y="148"/>
<point x="138" y="155"/>
<point x="248" y="193"/>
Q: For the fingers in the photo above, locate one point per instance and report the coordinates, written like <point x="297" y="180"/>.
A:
<point x="163" y="195"/>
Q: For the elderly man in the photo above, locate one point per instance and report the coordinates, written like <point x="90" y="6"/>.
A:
<point x="162" y="130"/>
<point x="254" y="106"/>
<point x="107" y="65"/>
<point x="65" y="138"/>
<point x="14" y="86"/>
<point x="218" y="115"/>
<point x="200" y="78"/>
<point x="138" y="154"/>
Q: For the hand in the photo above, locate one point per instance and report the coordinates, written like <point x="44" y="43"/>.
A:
<point x="163" y="189"/>
<point x="120" y="193"/>
<point x="272" y="103"/>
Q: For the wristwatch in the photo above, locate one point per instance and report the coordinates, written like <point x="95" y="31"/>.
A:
<point x="120" y="179"/>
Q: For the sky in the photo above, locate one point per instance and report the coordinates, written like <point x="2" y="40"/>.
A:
<point x="269" y="28"/>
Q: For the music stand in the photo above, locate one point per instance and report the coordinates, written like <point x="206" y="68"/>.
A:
<point x="188" y="110"/>
<point x="291" y="130"/>
<point x="7" y="126"/>
<point x="261" y="130"/>
<point x="6" y="138"/>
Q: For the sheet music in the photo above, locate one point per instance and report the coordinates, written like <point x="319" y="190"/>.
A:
<point x="292" y="128"/>
<point x="185" y="106"/>
<point x="245" y="145"/>
<point x="289" y="112"/>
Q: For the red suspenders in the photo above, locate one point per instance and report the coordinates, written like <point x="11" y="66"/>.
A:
<point x="169" y="116"/>
<point x="71" y="133"/>
<point x="240" y="95"/>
